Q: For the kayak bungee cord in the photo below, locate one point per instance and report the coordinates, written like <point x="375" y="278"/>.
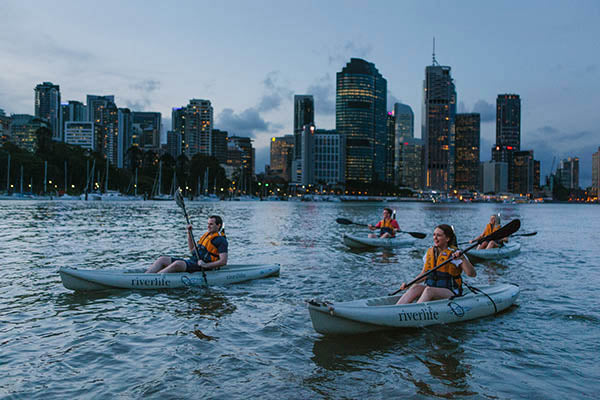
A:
<point x="475" y="290"/>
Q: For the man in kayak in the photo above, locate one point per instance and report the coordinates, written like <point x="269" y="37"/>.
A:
<point x="212" y="249"/>
<point x="490" y="228"/>
<point x="388" y="226"/>
<point x="444" y="282"/>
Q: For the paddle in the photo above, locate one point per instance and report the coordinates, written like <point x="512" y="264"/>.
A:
<point x="181" y="204"/>
<point x="518" y="234"/>
<point x="506" y="230"/>
<point x="344" y="221"/>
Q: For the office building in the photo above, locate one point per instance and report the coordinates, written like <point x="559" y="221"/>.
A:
<point x="568" y="173"/>
<point x="5" y="121"/>
<point x="596" y="173"/>
<point x="85" y="134"/>
<point x="303" y="166"/>
<point x="494" y="177"/>
<point x="390" y="148"/>
<point x="361" y="120"/>
<point x="438" y="127"/>
<point x="523" y="172"/>
<point x="328" y="167"/>
<point x="408" y="163"/>
<point x="281" y="156"/>
<point x="467" y="151"/>
<point x="103" y="111"/>
<point x="508" y="133"/>
<point x="241" y="154"/>
<point x="47" y="106"/>
<point x="174" y="143"/>
<point x="147" y="126"/>
<point x="219" y="145"/>
<point x="197" y="120"/>
<point x="23" y="130"/>
<point x="304" y="114"/>
<point x="125" y="134"/>
<point x="73" y="111"/>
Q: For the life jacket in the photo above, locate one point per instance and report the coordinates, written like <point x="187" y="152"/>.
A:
<point x="447" y="276"/>
<point x="386" y="227"/>
<point x="208" y="251"/>
<point x="489" y="229"/>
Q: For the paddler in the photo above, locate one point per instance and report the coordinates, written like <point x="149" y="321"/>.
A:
<point x="444" y="282"/>
<point x="212" y="249"/>
<point x="490" y="228"/>
<point x="388" y="226"/>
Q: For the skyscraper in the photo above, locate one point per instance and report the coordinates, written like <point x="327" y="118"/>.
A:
<point x="147" y="126"/>
<point x="467" y="151"/>
<point x="23" y="130"/>
<point x="103" y="111"/>
<point x="523" y="172"/>
<point x="73" y="111"/>
<point x="327" y="157"/>
<point x="408" y="151"/>
<point x="282" y="153"/>
<point x="197" y="135"/>
<point x="243" y="146"/>
<point x="596" y="173"/>
<point x="438" y="126"/>
<point x="361" y="119"/>
<point x="568" y="173"/>
<point x="219" y="145"/>
<point x="47" y="106"/>
<point x="125" y="136"/>
<point x="508" y="133"/>
<point x="390" y="147"/>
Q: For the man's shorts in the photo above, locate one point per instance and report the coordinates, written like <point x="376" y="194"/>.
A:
<point x="191" y="264"/>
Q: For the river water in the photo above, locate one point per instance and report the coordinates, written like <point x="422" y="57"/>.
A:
<point x="255" y="339"/>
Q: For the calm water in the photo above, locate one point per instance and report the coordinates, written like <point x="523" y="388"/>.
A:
<point x="255" y="339"/>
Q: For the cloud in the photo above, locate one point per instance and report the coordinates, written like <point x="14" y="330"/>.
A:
<point x="486" y="111"/>
<point x="274" y="93"/>
<point x="323" y="92"/>
<point x="247" y="123"/>
<point x="148" y="85"/>
<point x="349" y="50"/>
<point x="142" y="101"/>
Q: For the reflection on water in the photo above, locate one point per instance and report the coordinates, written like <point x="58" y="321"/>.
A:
<point x="255" y="339"/>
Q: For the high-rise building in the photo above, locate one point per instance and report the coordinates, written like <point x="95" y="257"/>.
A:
<point x="361" y="120"/>
<point x="103" y="111"/>
<point x="467" y="151"/>
<point x="219" y="145"/>
<point x="596" y="172"/>
<point x="197" y="134"/>
<point x="390" y="147"/>
<point x="409" y="162"/>
<point x="23" y="130"/>
<point x="84" y="134"/>
<point x="405" y="121"/>
<point x="4" y="127"/>
<point x="536" y="176"/>
<point x="508" y="133"/>
<point x="328" y="166"/>
<point x="438" y="127"/>
<point x="174" y="143"/>
<point x="242" y="146"/>
<point x="494" y="177"/>
<point x="304" y="114"/>
<point x="303" y="166"/>
<point x="125" y="136"/>
<point x="72" y="111"/>
<point x="568" y="173"/>
<point x="47" y="106"/>
<point x="282" y="153"/>
<point x="147" y="126"/>
<point x="523" y="172"/>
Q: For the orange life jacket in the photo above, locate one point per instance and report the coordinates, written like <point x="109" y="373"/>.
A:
<point x="447" y="276"/>
<point x="489" y="229"/>
<point x="206" y="246"/>
<point x="386" y="226"/>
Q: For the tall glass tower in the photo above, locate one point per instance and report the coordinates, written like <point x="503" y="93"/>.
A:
<point x="438" y="127"/>
<point x="304" y="114"/>
<point x="361" y="120"/>
<point x="47" y="106"/>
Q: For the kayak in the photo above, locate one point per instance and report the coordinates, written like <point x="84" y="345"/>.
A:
<point x="508" y="250"/>
<point x="82" y="279"/>
<point x="382" y="313"/>
<point x="361" y="242"/>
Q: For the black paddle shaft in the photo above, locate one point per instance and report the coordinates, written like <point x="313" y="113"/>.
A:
<point x="506" y="230"/>
<point x="344" y="221"/>
<point x="180" y="203"/>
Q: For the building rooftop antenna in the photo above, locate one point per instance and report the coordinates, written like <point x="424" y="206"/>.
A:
<point x="434" y="61"/>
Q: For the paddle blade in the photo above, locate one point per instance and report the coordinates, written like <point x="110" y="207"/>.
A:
<point x="503" y="232"/>
<point x="343" y="221"/>
<point x="179" y="198"/>
<point x="417" y="235"/>
<point x="528" y="234"/>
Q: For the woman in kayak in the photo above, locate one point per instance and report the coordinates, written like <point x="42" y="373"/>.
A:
<point x="212" y="248"/>
<point x="388" y="226"/>
<point x="490" y="228"/>
<point x="444" y="282"/>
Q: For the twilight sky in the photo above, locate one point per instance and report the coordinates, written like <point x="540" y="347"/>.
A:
<point x="250" y="58"/>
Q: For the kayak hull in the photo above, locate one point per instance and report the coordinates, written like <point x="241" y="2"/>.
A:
<point x="89" y="280"/>
<point x="360" y="242"/>
<point x="378" y="314"/>
<point x="508" y="250"/>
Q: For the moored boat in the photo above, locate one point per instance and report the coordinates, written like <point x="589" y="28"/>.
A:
<point x="86" y="279"/>
<point x="382" y="313"/>
<point x="508" y="250"/>
<point x="361" y="242"/>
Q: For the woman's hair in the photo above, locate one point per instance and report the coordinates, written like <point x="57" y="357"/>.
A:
<point x="449" y="232"/>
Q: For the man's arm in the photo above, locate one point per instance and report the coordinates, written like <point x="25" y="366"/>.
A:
<point x="190" y="241"/>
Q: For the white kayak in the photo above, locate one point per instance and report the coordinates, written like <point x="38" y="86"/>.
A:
<point x="361" y="242"/>
<point x="508" y="250"/>
<point x="382" y="313"/>
<point x="82" y="279"/>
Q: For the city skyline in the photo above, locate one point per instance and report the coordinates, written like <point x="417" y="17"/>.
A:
<point x="250" y="66"/>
